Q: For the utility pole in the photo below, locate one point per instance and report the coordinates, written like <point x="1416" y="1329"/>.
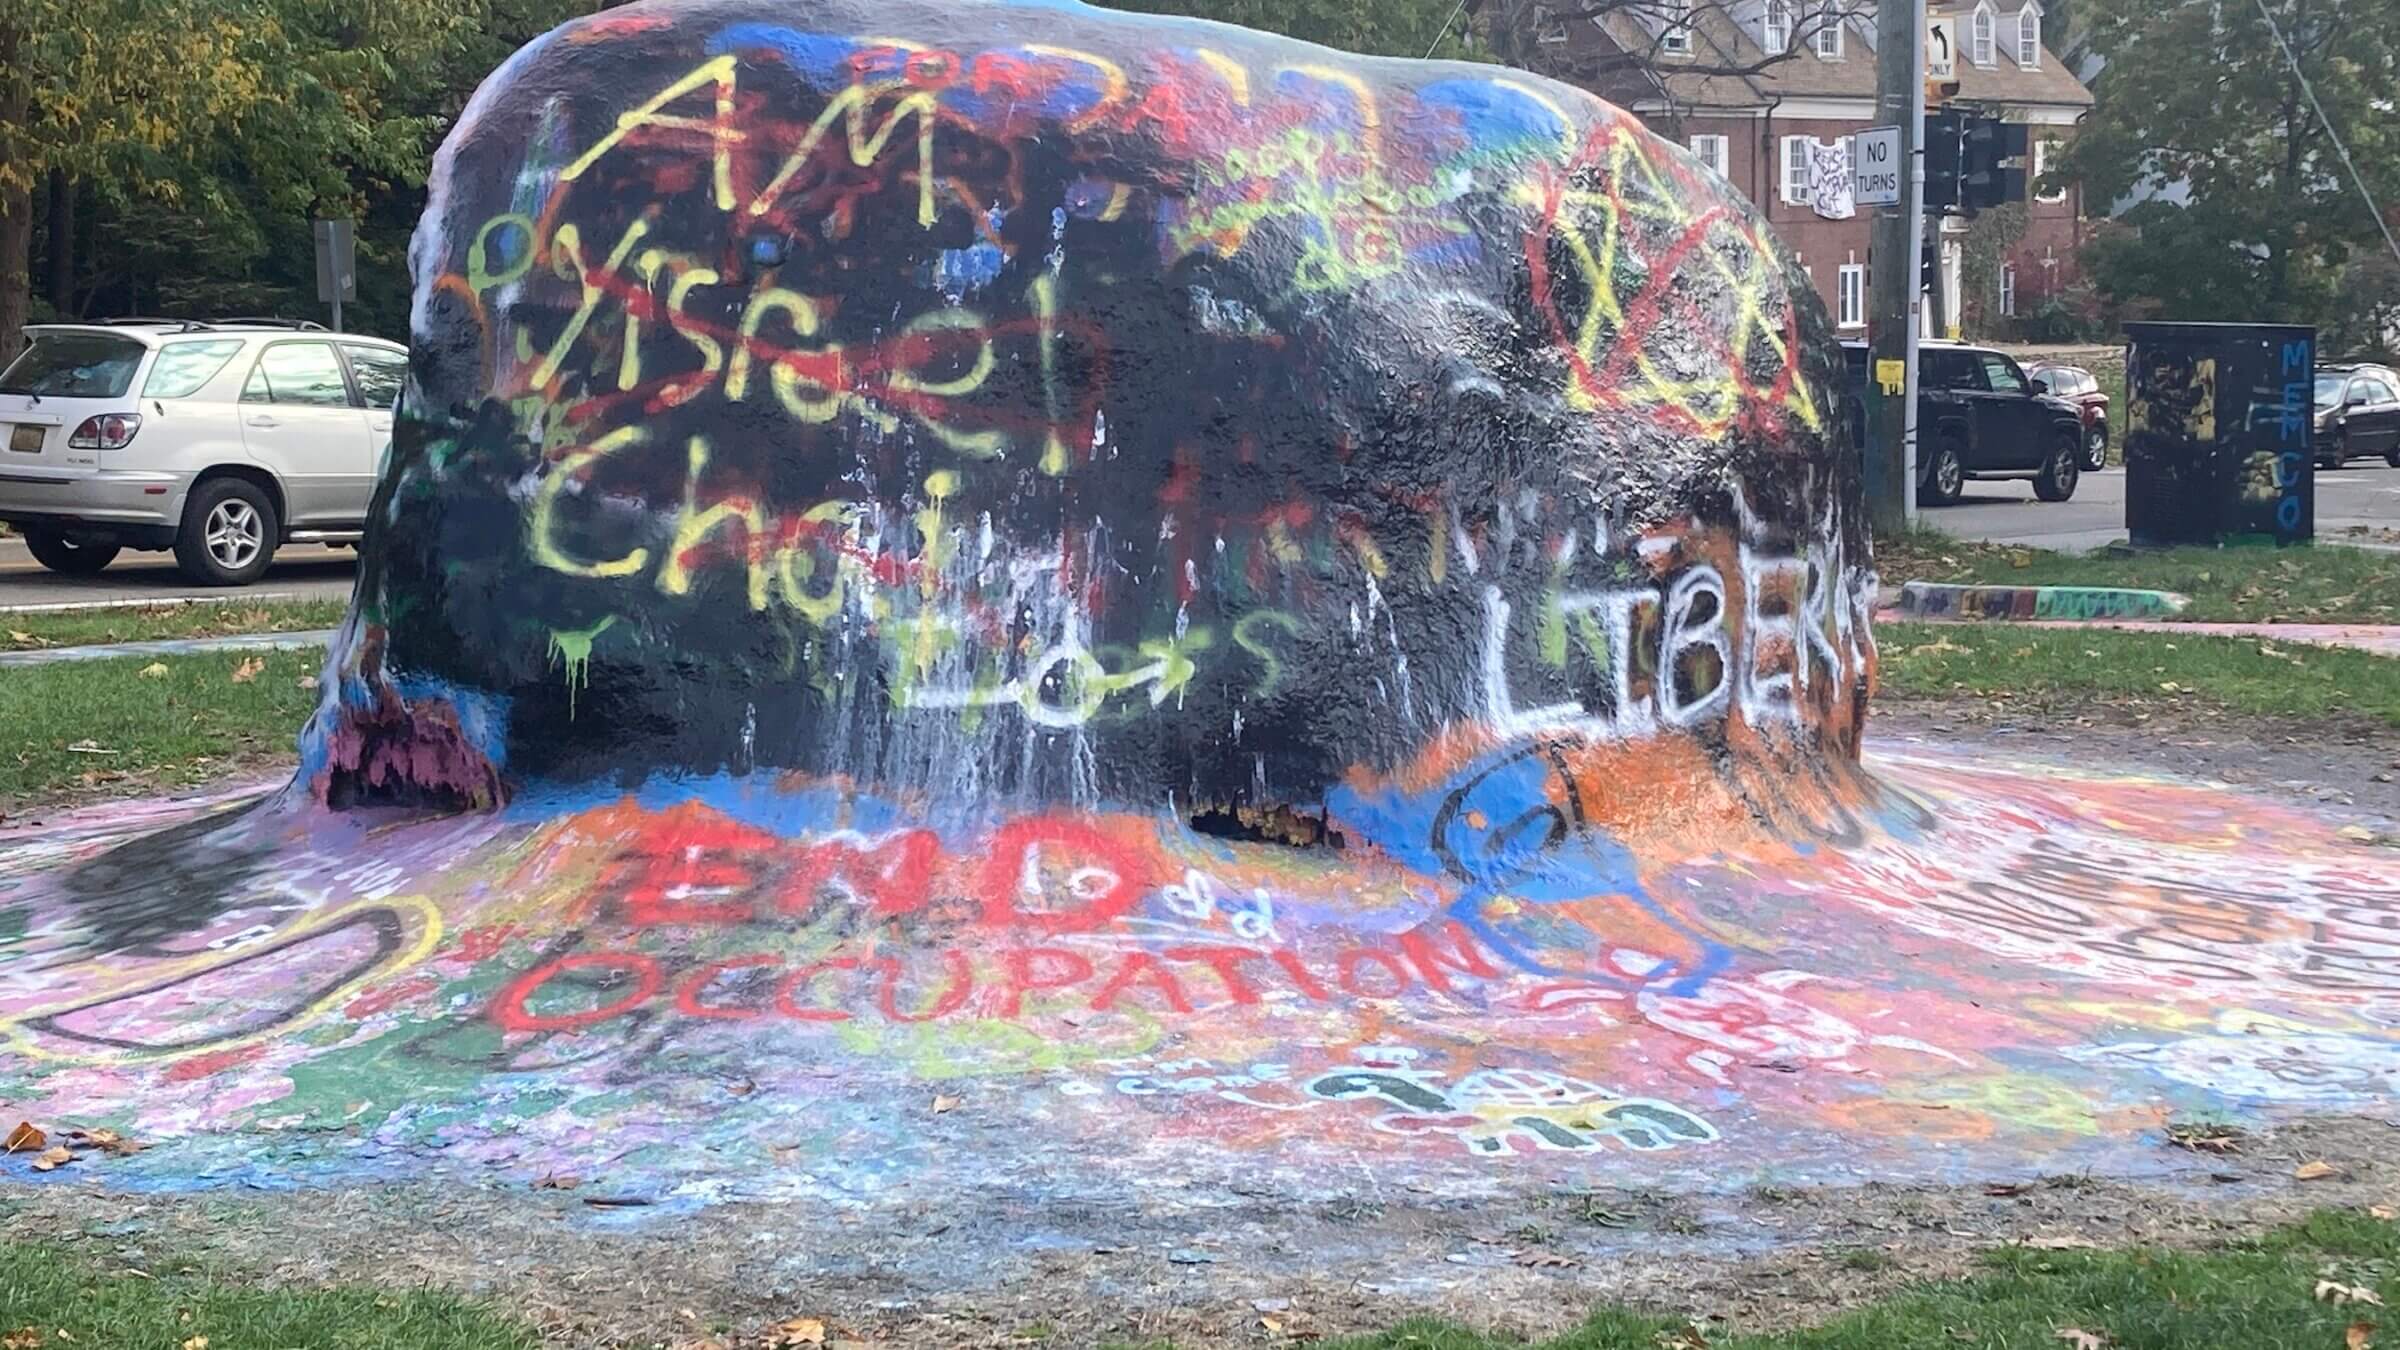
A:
<point x="1891" y="477"/>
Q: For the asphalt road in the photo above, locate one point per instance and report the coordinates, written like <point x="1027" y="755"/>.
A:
<point x="301" y="571"/>
<point x="2366" y="493"/>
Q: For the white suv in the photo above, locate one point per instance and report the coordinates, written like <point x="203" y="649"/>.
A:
<point x="220" y="441"/>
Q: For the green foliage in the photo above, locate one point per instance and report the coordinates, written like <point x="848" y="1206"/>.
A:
<point x="65" y="1298"/>
<point x="2258" y="219"/>
<point x="192" y="723"/>
<point x="205" y="134"/>
<point x="2258" y="1295"/>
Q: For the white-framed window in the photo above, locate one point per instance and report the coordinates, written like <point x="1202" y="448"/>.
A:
<point x="1775" y="27"/>
<point x="2029" y="36"/>
<point x="1676" y="39"/>
<point x="2008" y="291"/>
<point x="1828" y="38"/>
<point x="1795" y="170"/>
<point x="1986" y="35"/>
<point x="1716" y="152"/>
<point x="1850" y="296"/>
<point x="2045" y="154"/>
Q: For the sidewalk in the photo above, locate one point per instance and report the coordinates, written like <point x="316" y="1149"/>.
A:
<point x="2381" y="639"/>
<point x="251" y="642"/>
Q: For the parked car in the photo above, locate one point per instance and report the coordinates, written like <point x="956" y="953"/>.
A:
<point x="2358" y="413"/>
<point x="1979" y="416"/>
<point x="2079" y="387"/>
<point x="220" y="441"/>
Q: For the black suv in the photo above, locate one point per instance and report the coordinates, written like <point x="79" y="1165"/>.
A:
<point x="1978" y="416"/>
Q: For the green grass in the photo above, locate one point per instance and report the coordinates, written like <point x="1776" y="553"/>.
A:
<point x="190" y="721"/>
<point x="2324" y="584"/>
<point x="69" y="1300"/>
<point x="75" y="628"/>
<point x="2247" y="1296"/>
<point x="2049" y="665"/>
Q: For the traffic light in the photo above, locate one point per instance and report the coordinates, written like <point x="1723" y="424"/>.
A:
<point x="1987" y="175"/>
<point x="1942" y="132"/>
<point x="1929" y="266"/>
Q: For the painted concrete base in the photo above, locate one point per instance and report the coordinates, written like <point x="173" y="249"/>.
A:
<point x="702" y="991"/>
<point x="1935" y="600"/>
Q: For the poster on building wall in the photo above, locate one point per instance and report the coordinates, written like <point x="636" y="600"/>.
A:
<point x="1829" y="178"/>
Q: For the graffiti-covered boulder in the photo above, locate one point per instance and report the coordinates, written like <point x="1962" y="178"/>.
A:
<point x="1034" y="403"/>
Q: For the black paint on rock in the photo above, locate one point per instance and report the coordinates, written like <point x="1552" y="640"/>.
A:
<point x="1091" y="407"/>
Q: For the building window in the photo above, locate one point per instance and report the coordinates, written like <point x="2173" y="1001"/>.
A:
<point x="2029" y="36"/>
<point x="1677" y="39"/>
<point x="1850" y="296"/>
<point x="2008" y="291"/>
<point x="1716" y="152"/>
<point x="2045" y="155"/>
<point x="1828" y="38"/>
<point x="1795" y="170"/>
<point x="1775" y="27"/>
<point x="1986" y="36"/>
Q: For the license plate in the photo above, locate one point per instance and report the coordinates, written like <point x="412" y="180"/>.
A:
<point x="26" y="439"/>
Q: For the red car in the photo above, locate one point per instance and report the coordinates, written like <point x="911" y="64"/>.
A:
<point x="2076" y="386"/>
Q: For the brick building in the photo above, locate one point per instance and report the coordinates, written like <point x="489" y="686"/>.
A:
<point x="1698" y="72"/>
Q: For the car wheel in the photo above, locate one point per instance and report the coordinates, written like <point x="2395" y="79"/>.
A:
<point x="229" y="533"/>
<point x="2392" y="457"/>
<point x="2095" y="446"/>
<point x="2056" y="482"/>
<point x="66" y="557"/>
<point x="1945" y="478"/>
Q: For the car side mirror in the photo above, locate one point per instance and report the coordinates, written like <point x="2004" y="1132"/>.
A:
<point x="2356" y="400"/>
<point x="2040" y="386"/>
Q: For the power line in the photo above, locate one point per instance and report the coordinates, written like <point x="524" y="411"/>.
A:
<point x="1455" y="11"/>
<point x="2293" y="58"/>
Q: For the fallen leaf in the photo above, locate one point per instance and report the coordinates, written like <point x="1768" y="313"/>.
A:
<point x="196" y="1343"/>
<point x="1538" y="1259"/>
<point x="1688" y="1338"/>
<point x="51" y="1159"/>
<point x="2005" y="1188"/>
<point x="2062" y="1244"/>
<point x="308" y="681"/>
<point x="248" y="670"/>
<point x="23" y="1138"/>
<point x="2360" y="1336"/>
<point x="795" y="1333"/>
<point x="107" y="1140"/>
<point x="1271" y="1326"/>
<point x="2337" y="1293"/>
<point x="2383" y="1212"/>
<point x="2205" y="1138"/>
<point x="23" y="1338"/>
<point x="2081" y="1339"/>
<point x="2314" y="1171"/>
<point x="555" y="1182"/>
<point x="20" y="636"/>
<point x="945" y="1105"/>
<point x="156" y="670"/>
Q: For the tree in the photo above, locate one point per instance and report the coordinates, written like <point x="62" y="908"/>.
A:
<point x="1685" y="36"/>
<point x="2244" y="211"/>
<point x="198" y="137"/>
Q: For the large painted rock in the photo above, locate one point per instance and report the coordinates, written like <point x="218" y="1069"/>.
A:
<point x="1031" y="404"/>
<point x="1264" y="620"/>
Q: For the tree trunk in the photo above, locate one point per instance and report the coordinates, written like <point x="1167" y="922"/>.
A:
<point x="60" y="237"/>
<point x="16" y="269"/>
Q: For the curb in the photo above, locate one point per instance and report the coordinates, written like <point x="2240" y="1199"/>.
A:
<point x="254" y="642"/>
<point x="1934" y="600"/>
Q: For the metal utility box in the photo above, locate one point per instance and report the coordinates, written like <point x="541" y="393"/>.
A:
<point x="2219" y="433"/>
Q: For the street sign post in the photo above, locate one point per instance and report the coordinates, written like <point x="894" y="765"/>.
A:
<point x="1941" y="60"/>
<point x="1875" y="167"/>
<point x="1941" y="49"/>
<point x="337" y="265"/>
